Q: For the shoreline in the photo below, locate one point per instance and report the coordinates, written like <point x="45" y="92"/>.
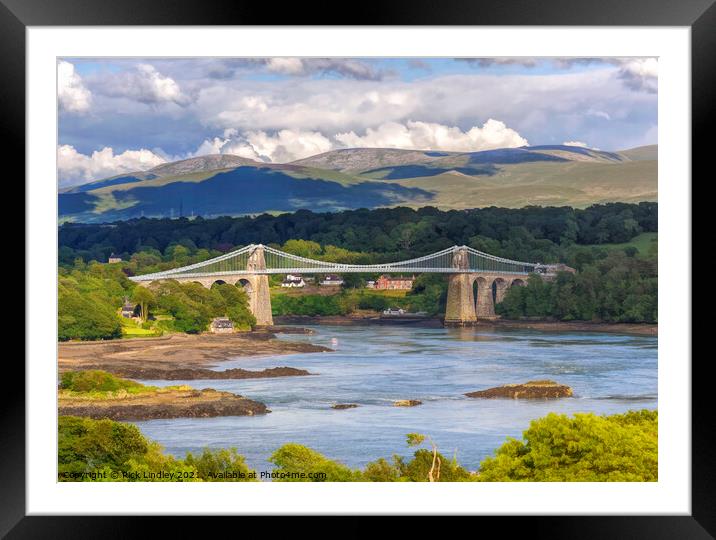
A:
<point x="180" y="353"/>
<point x="179" y="402"/>
<point x="642" y="329"/>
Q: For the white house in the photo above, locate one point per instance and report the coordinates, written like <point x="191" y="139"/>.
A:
<point x="332" y="279"/>
<point x="293" y="281"/>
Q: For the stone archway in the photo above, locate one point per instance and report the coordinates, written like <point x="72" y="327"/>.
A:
<point x="499" y="289"/>
<point x="246" y="285"/>
<point x="518" y="283"/>
<point x="484" y="304"/>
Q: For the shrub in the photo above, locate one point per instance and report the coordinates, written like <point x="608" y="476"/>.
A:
<point x="95" y="381"/>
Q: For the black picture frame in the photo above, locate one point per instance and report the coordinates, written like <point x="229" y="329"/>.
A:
<point x="699" y="15"/>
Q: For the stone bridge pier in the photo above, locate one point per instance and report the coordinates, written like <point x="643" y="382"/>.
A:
<point x="460" y="308"/>
<point x="472" y="295"/>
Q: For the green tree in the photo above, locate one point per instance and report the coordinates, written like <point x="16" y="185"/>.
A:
<point x="86" y="447"/>
<point x="85" y="316"/>
<point x="584" y="448"/>
<point x="146" y="300"/>
<point x="221" y="465"/>
<point x="296" y="463"/>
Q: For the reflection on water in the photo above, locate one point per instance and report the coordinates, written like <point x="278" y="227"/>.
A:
<point x="375" y="365"/>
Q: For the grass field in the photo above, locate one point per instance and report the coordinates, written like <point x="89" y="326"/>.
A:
<point x="642" y="242"/>
<point x="130" y="329"/>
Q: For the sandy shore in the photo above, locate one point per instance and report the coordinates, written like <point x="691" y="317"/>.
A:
<point x="176" y="352"/>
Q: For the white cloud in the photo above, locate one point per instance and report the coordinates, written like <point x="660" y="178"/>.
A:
<point x="288" y="145"/>
<point x="76" y="168"/>
<point x="599" y="114"/>
<point x="227" y="145"/>
<point x="576" y="143"/>
<point x="346" y="67"/>
<point x="524" y="61"/>
<point x="290" y="66"/>
<point x="281" y="147"/>
<point x="146" y="85"/>
<point x="541" y="107"/>
<point x="640" y="74"/>
<point x="72" y="94"/>
<point x="432" y="136"/>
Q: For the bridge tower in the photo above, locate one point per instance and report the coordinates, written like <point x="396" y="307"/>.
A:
<point x="460" y="309"/>
<point x="259" y="295"/>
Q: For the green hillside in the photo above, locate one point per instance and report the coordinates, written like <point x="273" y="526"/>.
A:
<point x="643" y="243"/>
<point x="370" y="178"/>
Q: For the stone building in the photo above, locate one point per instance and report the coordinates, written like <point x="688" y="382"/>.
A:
<point x="114" y="259"/>
<point x="394" y="283"/>
<point x="332" y="279"/>
<point x="222" y="325"/>
<point x="127" y="309"/>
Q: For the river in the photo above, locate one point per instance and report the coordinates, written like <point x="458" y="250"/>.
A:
<point x="375" y="365"/>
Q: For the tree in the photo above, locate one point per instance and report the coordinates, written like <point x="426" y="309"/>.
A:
<point x="85" y="315"/>
<point x="296" y="463"/>
<point x="146" y="300"/>
<point x="221" y="465"/>
<point x="416" y="439"/>
<point x="584" y="448"/>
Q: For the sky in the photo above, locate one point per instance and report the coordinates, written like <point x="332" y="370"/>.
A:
<point x="120" y="115"/>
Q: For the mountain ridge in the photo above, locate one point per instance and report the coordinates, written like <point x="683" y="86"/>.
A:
<point x="225" y="184"/>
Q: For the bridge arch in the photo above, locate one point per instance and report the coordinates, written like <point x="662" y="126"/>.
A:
<point x="518" y="282"/>
<point x="484" y="302"/>
<point x="499" y="289"/>
<point x="246" y="285"/>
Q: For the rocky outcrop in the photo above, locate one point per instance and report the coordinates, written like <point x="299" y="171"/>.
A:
<point x="407" y="403"/>
<point x="341" y="406"/>
<point x="543" y="389"/>
<point x="165" y="403"/>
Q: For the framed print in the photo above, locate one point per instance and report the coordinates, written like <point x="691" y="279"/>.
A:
<point x="409" y="266"/>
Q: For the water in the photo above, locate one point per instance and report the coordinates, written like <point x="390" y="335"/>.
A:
<point x="375" y="365"/>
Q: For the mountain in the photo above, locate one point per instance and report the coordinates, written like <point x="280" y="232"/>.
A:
<point x="552" y="175"/>
<point x="203" y="163"/>
<point x="642" y="153"/>
<point x="356" y="159"/>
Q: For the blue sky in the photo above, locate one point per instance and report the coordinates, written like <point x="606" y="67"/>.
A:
<point x="121" y="115"/>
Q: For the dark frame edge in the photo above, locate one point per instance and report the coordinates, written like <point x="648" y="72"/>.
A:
<point x="14" y="522"/>
<point x="12" y="420"/>
<point x="703" y="454"/>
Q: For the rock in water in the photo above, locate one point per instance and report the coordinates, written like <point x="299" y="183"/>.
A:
<point x="407" y="403"/>
<point x="529" y="390"/>
<point x="341" y="406"/>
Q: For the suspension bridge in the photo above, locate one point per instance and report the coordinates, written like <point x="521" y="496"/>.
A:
<point x="467" y="269"/>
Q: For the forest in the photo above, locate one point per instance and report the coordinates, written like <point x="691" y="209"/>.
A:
<point x="612" y="283"/>
<point x="537" y="234"/>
